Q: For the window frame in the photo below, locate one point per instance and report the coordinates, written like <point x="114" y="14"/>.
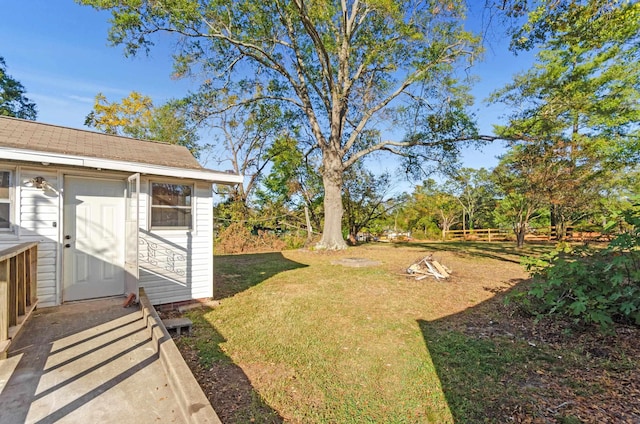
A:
<point x="189" y="208"/>
<point x="9" y="200"/>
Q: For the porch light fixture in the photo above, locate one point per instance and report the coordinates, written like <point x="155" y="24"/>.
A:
<point x="37" y="182"/>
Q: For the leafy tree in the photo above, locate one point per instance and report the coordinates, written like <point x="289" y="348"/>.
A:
<point x="475" y="192"/>
<point x="350" y="69"/>
<point x="243" y="134"/>
<point x="431" y="205"/>
<point x="448" y="210"/>
<point x="136" y="116"/>
<point x="291" y="186"/>
<point x="579" y="107"/>
<point x="13" y="101"/>
<point x="521" y="178"/>
<point x="365" y="199"/>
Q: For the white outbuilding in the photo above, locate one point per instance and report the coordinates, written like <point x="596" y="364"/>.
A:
<point x="110" y="214"/>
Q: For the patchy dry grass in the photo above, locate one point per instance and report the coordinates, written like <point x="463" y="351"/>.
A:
<point x="300" y="340"/>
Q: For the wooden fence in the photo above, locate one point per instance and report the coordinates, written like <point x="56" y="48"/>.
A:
<point x="538" y="234"/>
<point x="18" y="285"/>
<point x="483" y="234"/>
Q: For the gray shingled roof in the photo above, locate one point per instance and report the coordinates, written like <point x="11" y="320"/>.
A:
<point x="37" y="136"/>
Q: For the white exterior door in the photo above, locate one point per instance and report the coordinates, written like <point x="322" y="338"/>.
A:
<point x="93" y="245"/>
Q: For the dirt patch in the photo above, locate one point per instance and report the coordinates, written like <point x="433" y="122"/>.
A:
<point x="355" y="262"/>
<point x="585" y="377"/>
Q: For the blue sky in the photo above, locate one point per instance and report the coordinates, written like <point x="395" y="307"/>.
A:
<point x="59" y="51"/>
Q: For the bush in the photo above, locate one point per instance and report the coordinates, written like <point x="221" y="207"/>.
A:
<point x="237" y="238"/>
<point x="590" y="285"/>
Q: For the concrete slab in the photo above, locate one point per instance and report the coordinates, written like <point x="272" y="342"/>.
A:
<point x="86" y="362"/>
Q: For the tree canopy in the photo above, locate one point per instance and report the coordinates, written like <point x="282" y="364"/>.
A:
<point x="136" y="116"/>
<point x="13" y="101"/>
<point x="576" y="113"/>
<point x="364" y="77"/>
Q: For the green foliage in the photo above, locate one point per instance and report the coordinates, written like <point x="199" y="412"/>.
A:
<point x="365" y="198"/>
<point x="13" y="101"/>
<point x="345" y="70"/>
<point x="576" y="112"/>
<point x="136" y="116"/>
<point x="590" y="285"/>
<point x="475" y="191"/>
<point x="431" y="206"/>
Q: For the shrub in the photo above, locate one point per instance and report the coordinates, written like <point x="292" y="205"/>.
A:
<point x="237" y="238"/>
<point x="590" y="285"/>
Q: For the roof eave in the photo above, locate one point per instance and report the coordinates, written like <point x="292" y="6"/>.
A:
<point x="114" y="165"/>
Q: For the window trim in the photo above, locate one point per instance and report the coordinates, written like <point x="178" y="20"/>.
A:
<point x="191" y="208"/>
<point x="10" y="200"/>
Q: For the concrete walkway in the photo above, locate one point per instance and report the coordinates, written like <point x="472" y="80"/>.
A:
<point x="86" y="362"/>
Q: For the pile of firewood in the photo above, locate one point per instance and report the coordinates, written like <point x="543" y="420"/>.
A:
<point x="428" y="266"/>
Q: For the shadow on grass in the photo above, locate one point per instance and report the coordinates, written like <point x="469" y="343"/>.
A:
<point x="225" y="384"/>
<point x="503" y="251"/>
<point x="233" y="274"/>
<point x="485" y="369"/>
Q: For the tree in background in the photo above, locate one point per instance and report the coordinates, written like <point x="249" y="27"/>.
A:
<point x="244" y="137"/>
<point x="431" y="206"/>
<point x="416" y="212"/>
<point x="349" y="69"/>
<point x="579" y="107"/>
<point x="365" y="199"/>
<point x="475" y="191"/>
<point x="521" y="178"/>
<point x="136" y="116"/>
<point x="13" y="101"/>
<point x="291" y="185"/>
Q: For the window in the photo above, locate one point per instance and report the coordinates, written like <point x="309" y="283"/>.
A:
<point x="5" y="201"/>
<point x="171" y="205"/>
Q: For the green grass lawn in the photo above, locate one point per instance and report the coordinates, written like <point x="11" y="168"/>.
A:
<point x="324" y="343"/>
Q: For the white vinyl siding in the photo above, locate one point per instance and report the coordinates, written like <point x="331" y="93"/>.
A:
<point x="37" y="220"/>
<point x="176" y="264"/>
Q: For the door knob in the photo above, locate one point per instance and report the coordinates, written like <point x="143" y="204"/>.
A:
<point x="67" y="245"/>
<point x="68" y="237"/>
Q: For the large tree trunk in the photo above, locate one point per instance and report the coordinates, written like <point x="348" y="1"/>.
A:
<point x="520" y="230"/>
<point x="332" y="180"/>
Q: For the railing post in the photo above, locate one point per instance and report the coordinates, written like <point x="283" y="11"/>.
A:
<point x="4" y="295"/>
<point x="32" y="265"/>
<point x="13" y="292"/>
<point x="21" y="282"/>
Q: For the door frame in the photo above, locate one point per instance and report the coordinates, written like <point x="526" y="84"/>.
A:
<point x="112" y="177"/>
<point x="132" y="235"/>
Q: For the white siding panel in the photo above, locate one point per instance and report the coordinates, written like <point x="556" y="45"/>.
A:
<point x="178" y="274"/>
<point x="40" y="221"/>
